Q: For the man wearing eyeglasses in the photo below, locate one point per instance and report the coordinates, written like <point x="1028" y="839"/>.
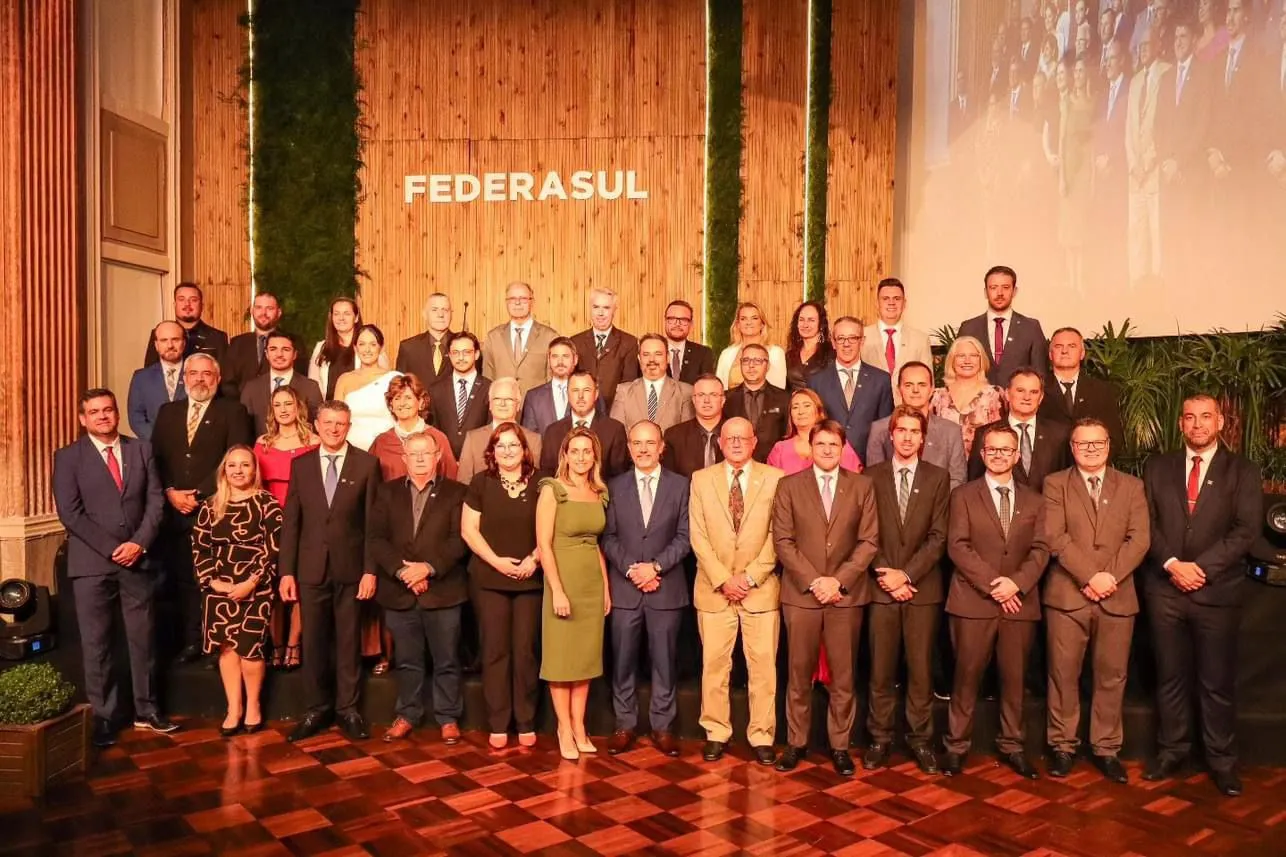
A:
<point x="766" y="406"/>
<point x="694" y="444"/>
<point x="855" y="393"/>
<point x="996" y="538"/>
<point x="688" y="360"/>
<point x="1042" y="441"/>
<point x="519" y="348"/>
<point x="1096" y="520"/>
<point x="458" y="401"/>
<point x="505" y="401"/>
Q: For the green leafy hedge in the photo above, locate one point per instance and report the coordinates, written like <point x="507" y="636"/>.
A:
<point x="815" y="156"/>
<point x="31" y="693"/>
<point x="725" y="112"/>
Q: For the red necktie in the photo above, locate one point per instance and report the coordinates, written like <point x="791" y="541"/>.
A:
<point x="1000" y="339"/>
<point x="114" y="468"/>
<point x="1194" y="483"/>
<point x="890" y="353"/>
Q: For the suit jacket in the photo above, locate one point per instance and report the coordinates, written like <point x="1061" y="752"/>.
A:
<point x="473" y="453"/>
<point x="722" y="551"/>
<point x="685" y="447"/>
<point x="911" y="345"/>
<point x="146" y="395"/>
<point x="916" y="545"/>
<point x="201" y="339"/>
<point x="1025" y="345"/>
<point x="415" y="357"/>
<point x="630" y="405"/>
<point x="698" y="360"/>
<point x="943" y="447"/>
<point x="872" y="400"/>
<point x="774" y="416"/>
<point x="1094" y="398"/>
<point x="1238" y="136"/>
<point x="477" y="411"/>
<point x="98" y="517"/>
<point x="241" y="362"/>
<point x="611" y="437"/>
<point x="539" y="411"/>
<point x="663" y="540"/>
<point x="532" y="369"/>
<point x="1049" y="452"/>
<point x="321" y="543"/>
<point x="395" y="540"/>
<point x="981" y="552"/>
<point x="810" y="546"/>
<point x="1085" y="539"/>
<point x="223" y="425"/>
<point x="1183" y="119"/>
<point x="256" y="398"/>
<point x="1216" y="536"/>
<point x="619" y="363"/>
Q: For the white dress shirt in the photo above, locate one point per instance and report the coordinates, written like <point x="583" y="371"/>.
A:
<point x="655" y="476"/>
<point x="658" y="385"/>
<point x="822" y="475"/>
<point x="992" y="485"/>
<point x="588" y="419"/>
<point x="897" y="339"/>
<point x="728" y="470"/>
<point x="286" y="377"/>
<point x="324" y="455"/>
<point x="1059" y="382"/>
<point x="898" y="466"/>
<point x="116" y="451"/>
<point x="1205" y="465"/>
<point x="525" y="327"/>
<point x="469" y="380"/>
<point x="1007" y="318"/>
<point x="1100" y="474"/>
<point x="558" y="389"/>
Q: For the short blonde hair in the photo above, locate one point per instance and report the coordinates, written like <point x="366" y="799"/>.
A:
<point x="949" y="367"/>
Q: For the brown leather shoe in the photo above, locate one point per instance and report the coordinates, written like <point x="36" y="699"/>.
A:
<point x="450" y="733"/>
<point x="666" y="743"/>
<point x="619" y="742"/>
<point x="400" y="729"/>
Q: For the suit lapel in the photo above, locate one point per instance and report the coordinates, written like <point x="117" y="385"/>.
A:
<point x="130" y="461"/>
<point x="346" y="474"/>
<point x="989" y="503"/>
<point x="1082" y="492"/>
<point x="721" y="491"/>
<point x="1213" y="474"/>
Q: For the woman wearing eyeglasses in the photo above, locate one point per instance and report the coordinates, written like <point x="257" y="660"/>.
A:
<point x="750" y="327"/>
<point x="967" y="399"/>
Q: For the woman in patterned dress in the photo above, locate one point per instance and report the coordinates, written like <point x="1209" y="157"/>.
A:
<point x="234" y="551"/>
<point x="967" y="399"/>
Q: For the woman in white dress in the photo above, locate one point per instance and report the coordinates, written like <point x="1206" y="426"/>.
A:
<point x="334" y="355"/>
<point x="363" y="388"/>
<point x="748" y="327"/>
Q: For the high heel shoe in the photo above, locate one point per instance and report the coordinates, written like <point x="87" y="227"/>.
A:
<point x="567" y="747"/>
<point x="585" y="745"/>
<point x="252" y="728"/>
<point x="229" y="731"/>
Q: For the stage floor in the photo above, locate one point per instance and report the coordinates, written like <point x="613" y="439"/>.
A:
<point x="195" y="793"/>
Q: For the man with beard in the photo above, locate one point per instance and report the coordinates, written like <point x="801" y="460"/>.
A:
<point x="159" y="382"/>
<point x="199" y="337"/>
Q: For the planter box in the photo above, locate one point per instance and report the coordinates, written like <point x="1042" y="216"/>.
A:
<point x="44" y="754"/>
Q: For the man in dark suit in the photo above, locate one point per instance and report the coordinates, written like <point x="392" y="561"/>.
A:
<point x="109" y="500"/>
<point x="1011" y="338"/>
<point x="1182" y="130"/>
<point x="458" y="400"/>
<point x="245" y="356"/>
<point x="604" y="350"/>
<point x="418" y="556"/>
<point x="688" y="360"/>
<point x="694" y="444"/>
<point x="767" y="407"/>
<point x="854" y="393"/>
<point x="911" y="501"/>
<point x="996" y="538"/>
<point x="963" y="112"/>
<point x="199" y="337"/>
<point x="158" y="383"/>
<point x="943" y="445"/>
<point x="826" y="534"/>
<point x="189" y="440"/>
<point x="425" y="355"/>
<point x="645" y="543"/>
<point x="256" y="395"/>
<point x="1206" y="509"/>
<point x="583" y="391"/>
<point x="550" y="402"/>
<point x="1071" y="394"/>
<point x="1097" y="523"/>
<point x="1042" y="442"/>
<point x="326" y="564"/>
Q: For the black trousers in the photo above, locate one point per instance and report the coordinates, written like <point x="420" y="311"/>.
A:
<point x="183" y="627"/>
<point x="97" y="602"/>
<point x="509" y="632"/>
<point x="332" y="655"/>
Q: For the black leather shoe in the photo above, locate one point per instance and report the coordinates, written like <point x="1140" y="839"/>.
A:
<point x="354" y="727"/>
<point x="1060" y="764"/>
<point x="791" y="758"/>
<point x="1111" y="768"/>
<point x="190" y="654"/>
<point x="1228" y="783"/>
<point x="952" y="763"/>
<point x="155" y="723"/>
<point x="1162" y="768"/>
<point x="104" y="734"/>
<point x="875" y="757"/>
<point x="308" y="727"/>
<point x="843" y="763"/>
<point x="924" y="758"/>
<point x="713" y="750"/>
<point x="1021" y="765"/>
<point x="765" y="755"/>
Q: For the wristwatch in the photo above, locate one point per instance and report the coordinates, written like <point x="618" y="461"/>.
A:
<point x="657" y="566"/>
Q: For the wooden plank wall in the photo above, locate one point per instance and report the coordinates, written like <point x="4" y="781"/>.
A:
<point x="457" y="86"/>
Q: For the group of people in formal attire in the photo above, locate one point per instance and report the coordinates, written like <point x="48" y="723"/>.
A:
<point x="580" y="498"/>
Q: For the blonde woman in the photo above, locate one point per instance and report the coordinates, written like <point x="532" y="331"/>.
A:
<point x="570" y="516"/>
<point x="748" y="327"/>
<point x="967" y="399"/>
<point x="234" y="552"/>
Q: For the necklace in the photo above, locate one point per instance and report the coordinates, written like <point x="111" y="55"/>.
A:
<point x="512" y="485"/>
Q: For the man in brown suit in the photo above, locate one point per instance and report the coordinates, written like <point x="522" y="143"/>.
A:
<point x="826" y="534"/>
<point x="911" y="500"/>
<point x="996" y="538"/>
<point x="1096" y="523"/>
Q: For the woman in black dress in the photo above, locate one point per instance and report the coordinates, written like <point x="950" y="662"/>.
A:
<point x="234" y="550"/>
<point x="808" y="345"/>
<point x="499" y="526"/>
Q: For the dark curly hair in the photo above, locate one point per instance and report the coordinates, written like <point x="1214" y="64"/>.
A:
<point x="795" y="342"/>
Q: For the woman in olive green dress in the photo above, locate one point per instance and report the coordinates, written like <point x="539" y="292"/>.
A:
<point x="569" y="518"/>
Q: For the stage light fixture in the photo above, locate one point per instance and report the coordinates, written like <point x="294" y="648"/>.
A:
<point x="1267" y="560"/>
<point x="24" y="619"/>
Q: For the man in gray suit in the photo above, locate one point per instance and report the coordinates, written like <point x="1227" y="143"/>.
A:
<point x="519" y="348"/>
<point x="256" y="396"/>
<point x="655" y="396"/>
<point x="943" y="446"/>
<point x="505" y="402"/>
<point x="1013" y="340"/>
<point x="108" y="493"/>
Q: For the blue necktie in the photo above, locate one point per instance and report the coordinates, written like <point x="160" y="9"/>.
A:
<point x="332" y="478"/>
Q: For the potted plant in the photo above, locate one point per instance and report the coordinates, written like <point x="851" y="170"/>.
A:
<point x="44" y="739"/>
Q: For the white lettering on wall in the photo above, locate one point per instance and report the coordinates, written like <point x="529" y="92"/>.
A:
<point x="521" y="186"/>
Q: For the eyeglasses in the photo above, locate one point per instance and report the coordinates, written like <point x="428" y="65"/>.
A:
<point x="508" y="447"/>
<point x="1003" y="451"/>
<point x="1090" y="445"/>
<point x="428" y="454"/>
<point x="707" y="395"/>
<point x="518" y="300"/>
<point x="737" y="440"/>
<point x="676" y="319"/>
<point x="848" y="340"/>
<point x="468" y="353"/>
<point x="753" y="361"/>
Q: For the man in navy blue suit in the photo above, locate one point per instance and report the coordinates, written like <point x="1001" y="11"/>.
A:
<point x="158" y="382"/>
<point x="855" y="394"/>
<point x="109" y="499"/>
<point x="645" y="543"/>
<point x="550" y="402"/>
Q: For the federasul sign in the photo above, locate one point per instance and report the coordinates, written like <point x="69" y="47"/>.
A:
<point x="442" y="188"/>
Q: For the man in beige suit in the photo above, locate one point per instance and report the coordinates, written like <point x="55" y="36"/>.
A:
<point x="1096" y="521"/>
<point x="891" y="343"/>
<point x="505" y="401"/>
<point x="826" y="533"/>
<point x="655" y="396"/>
<point x="737" y="588"/>
<point x="519" y="348"/>
<point x="1144" y="230"/>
